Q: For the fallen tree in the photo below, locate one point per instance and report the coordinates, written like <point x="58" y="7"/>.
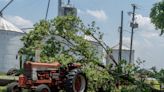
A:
<point x="62" y="39"/>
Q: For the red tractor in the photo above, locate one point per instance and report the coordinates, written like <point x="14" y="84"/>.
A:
<point x="50" y="77"/>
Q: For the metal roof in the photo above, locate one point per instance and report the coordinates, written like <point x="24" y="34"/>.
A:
<point x="124" y="47"/>
<point x="5" y="25"/>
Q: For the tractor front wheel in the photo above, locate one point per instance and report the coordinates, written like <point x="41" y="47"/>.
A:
<point x="13" y="87"/>
<point x="42" y="88"/>
<point x="76" y="81"/>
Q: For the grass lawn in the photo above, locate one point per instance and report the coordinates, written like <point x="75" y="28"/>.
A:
<point x="9" y="77"/>
<point x="2" y="73"/>
<point x="2" y="89"/>
<point x="4" y="77"/>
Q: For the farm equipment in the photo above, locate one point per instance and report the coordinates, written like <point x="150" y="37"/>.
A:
<point x="50" y="77"/>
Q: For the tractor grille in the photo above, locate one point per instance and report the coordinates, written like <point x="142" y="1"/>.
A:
<point x="28" y="70"/>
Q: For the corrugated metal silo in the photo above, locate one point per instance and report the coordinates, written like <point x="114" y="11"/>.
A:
<point x="9" y="45"/>
<point x="125" y="54"/>
<point x="98" y="48"/>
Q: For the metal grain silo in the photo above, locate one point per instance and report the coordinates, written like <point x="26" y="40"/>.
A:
<point x="125" y="54"/>
<point x="9" y="45"/>
<point x="98" y="48"/>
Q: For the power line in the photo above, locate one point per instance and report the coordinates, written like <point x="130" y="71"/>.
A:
<point x="5" y="7"/>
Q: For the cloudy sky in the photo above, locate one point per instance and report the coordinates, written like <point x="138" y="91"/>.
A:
<point x="148" y="44"/>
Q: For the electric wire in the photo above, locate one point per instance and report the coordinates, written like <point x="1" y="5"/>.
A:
<point x="5" y="7"/>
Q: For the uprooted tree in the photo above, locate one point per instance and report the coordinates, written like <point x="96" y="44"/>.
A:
<point x="62" y="40"/>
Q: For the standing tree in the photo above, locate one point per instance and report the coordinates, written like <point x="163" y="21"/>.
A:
<point x="157" y="15"/>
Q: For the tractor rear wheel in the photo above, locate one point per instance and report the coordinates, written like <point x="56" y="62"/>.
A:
<point x="76" y="81"/>
<point x="13" y="87"/>
<point x="42" y="88"/>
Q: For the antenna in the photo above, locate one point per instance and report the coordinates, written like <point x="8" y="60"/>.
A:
<point x="5" y="7"/>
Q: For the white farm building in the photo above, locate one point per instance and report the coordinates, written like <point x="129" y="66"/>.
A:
<point x="125" y="53"/>
<point x="9" y="45"/>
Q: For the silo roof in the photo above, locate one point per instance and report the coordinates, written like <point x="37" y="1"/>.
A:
<point x="5" y="25"/>
<point x="124" y="47"/>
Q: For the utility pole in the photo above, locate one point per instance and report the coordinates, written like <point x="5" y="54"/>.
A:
<point x="48" y="6"/>
<point x="68" y="2"/>
<point x="121" y="33"/>
<point x="132" y="25"/>
<point x="59" y="7"/>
